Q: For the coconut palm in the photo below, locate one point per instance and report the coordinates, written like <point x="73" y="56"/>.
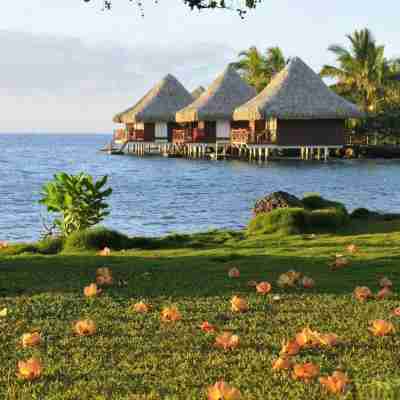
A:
<point x="363" y="70"/>
<point x="275" y="60"/>
<point x="258" y="69"/>
<point x="252" y="67"/>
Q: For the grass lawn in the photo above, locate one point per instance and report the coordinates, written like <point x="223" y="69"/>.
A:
<point x="135" y="356"/>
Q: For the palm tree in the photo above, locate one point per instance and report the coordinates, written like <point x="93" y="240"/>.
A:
<point x="258" y="69"/>
<point x="362" y="70"/>
<point x="275" y="60"/>
<point x="253" y="68"/>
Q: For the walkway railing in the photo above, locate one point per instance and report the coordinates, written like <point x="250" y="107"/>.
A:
<point x="243" y="136"/>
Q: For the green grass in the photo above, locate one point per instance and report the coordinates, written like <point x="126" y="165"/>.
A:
<point x="136" y="357"/>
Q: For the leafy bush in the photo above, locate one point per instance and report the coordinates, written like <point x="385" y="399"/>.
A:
<point x="327" y="218"/>
<point x="314" y="201"/>
<point x="50" y="245"/>
<point x="361" y="213"/>
<point x="77" y="200"/>
<point x="96" y="239"/>
<point x="283" y="220"/>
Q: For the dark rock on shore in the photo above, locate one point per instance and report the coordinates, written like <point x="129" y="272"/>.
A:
<point x="276" y="200"/>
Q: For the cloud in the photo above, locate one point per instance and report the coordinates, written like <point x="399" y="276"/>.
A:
<point x="44" y="64"/>
<point x="43" y="75"/>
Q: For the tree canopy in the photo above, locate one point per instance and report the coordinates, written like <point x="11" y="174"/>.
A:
<point x="257" y="68"/>
<point x="241" y="6"/>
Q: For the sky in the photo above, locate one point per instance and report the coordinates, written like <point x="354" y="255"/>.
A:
<point x="68" y="66"/>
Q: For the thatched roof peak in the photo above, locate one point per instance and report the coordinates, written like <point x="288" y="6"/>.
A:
<point x="198" y="92"/>
<point x="159" y="104"/>
<point x="297" y="92"/>
<point x="226" y="93"/>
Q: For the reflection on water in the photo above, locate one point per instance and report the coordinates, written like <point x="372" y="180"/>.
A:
<point x="156" y="195"/>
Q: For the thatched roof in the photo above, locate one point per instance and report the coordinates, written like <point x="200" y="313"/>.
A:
<point x="159" y="104"/>
<point x="198" y="92"/>
<point x="297" y="92"/>
<point x="226" y="93"/>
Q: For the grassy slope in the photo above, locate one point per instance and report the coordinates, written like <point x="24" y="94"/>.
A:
<point x="136" y="357"/>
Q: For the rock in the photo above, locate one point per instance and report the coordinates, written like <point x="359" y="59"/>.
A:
<point x="276" y="200"/>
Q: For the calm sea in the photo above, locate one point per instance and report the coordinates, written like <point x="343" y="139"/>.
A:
<point x="156" y="195"/>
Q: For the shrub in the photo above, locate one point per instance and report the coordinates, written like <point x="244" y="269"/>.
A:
<point x="326" y="219"/>
<point x="314" y="201"/>
<point x="361" y="213"/>
<point x="51" y="245"/>
<point x="77" y="200"/>
<point x="96" y="239"/>
<point x="283" y="220"/>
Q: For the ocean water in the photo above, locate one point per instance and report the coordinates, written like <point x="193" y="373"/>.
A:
<point x="155" y="195"/>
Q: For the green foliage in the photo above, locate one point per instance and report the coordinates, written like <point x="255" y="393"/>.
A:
<point x="77" y="200"/>
<point x="282" y="220"/>
<point x="258" y="69"/>
<point x="96" y="239"/>
<point x="361" y="213"/>
<point x="51" y="245"/>
<point x="314" y="201"/>
<point x="326" y="219"/>
<point x="318" y="214"/>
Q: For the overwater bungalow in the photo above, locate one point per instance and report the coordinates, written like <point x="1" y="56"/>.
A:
<point x="208" y="119"/>
<point x="152" y="118"/>
<point x="296" y="110"/>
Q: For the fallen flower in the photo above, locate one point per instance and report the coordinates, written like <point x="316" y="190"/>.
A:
<point x="30" y="369"/>
<point x="91" y="290"/>
<point x="104" y="280"/>
<point x="85" y="327"/>
<point x="307" y="337"/>
<point x="142" y="307"/>
<point x="328" y="339"/>
<point x="170" y="314"/>
<point x="337" y="383"/>
<point x="227" y="341"/>
<point x="105" y="252"/>
<point x="306" y="372"/>
<point x="380" y="327"/>
<point x="307" y="283"/>
<point x="396" y="312"/>
<point x="384" y="293"/>
<point x="385" y="282"/>
<point x="362" y="293"/>
<point x="284" y="281"/>
<point x="352" y="248"/>
<point x="238" y="304"/>
<point x="234" y="273"/>
<point x="222" y="391"/>
<point x="290" y="348"/>
<point x="31" y="339"/>
<point x="283" y="362"/>
<point x="339" y="262"/>
<point x="263" y="287"/>
<point x="207" y="327"/>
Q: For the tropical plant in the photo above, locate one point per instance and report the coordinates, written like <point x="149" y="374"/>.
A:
<point x="258" y="69"/>
<point x="240" y="6"/>
<point x="363" y="74"/>
<point x="77" y="200"/>
<point x="275" y="60"/>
